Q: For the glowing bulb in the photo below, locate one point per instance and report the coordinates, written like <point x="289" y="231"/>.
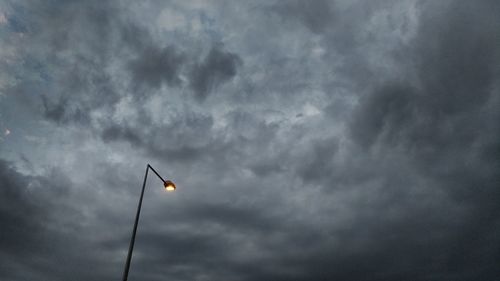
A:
<point x="169" y="186"/>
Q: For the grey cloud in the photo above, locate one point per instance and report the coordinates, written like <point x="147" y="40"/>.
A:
<point x="43" y="222"/>
<point x="71" y="47"/>
<point x="443" y="122"/>
<point x="186" y="138"/>
<point x="232" y="216"/>
<point x="401" y="185"/>
<point x="80" y="82"/>
<point x="54" y="112"/>
<point x="318" y="162"/>
<point x="26" y="207"/>
<point x="62" y="112"/>
<point x="451" y="104"/>
<point x="459" y="69"/>
<point x="385" y="113"/>
<point x="217" y="67"/>
<point x="318" y="16"/>
<point x="67" y="49"/>
<point x="21" y="215"/>
<point x="135" y="37"/>
<point x="155" y="66"/>
<point x="115" y="132"/>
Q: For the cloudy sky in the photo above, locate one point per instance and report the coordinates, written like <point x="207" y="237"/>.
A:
<point x="309" y="140"/>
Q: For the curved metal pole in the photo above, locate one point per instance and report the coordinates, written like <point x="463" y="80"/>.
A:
<point x="132" y="240"/>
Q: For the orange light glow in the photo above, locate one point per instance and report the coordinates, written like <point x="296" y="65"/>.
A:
<point x="169" y="186"/>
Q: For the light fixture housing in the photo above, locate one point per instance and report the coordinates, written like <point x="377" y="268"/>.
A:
<point x="169" y="185"/>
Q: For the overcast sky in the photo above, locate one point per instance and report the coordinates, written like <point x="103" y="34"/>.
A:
<point x="309" y="140"/>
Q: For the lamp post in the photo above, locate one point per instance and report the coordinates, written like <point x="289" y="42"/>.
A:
<point x="169" y="186"/>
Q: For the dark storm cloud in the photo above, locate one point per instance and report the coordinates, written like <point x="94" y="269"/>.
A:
<point x="54" y="112"/>
<point x="21" y="215"/>
<point x="443" y="123"/>
<point x="243" y="218"/>
<point x="62" y="112"/>
<point x="318" y="162"/>
<point x="42" y="225"/>
<point x="26" y="206"/>
<point x="115" y="132"/>
<point x="217" y="67"/>
<point x="388" y="110"/>
<point x="419" y="151"/>
<point x="191" y="137"/>
<point x="317" y="16"/>
<point x="401" y="186"/>
<point x="449" y="109"/>
<point x="186" y="138"/>
<point x="155" y="66"/>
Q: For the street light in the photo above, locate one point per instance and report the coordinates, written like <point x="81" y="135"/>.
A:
<point x="169" y="186"/>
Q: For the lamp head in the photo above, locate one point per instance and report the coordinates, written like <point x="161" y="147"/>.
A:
<point x="169" y="185"/>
